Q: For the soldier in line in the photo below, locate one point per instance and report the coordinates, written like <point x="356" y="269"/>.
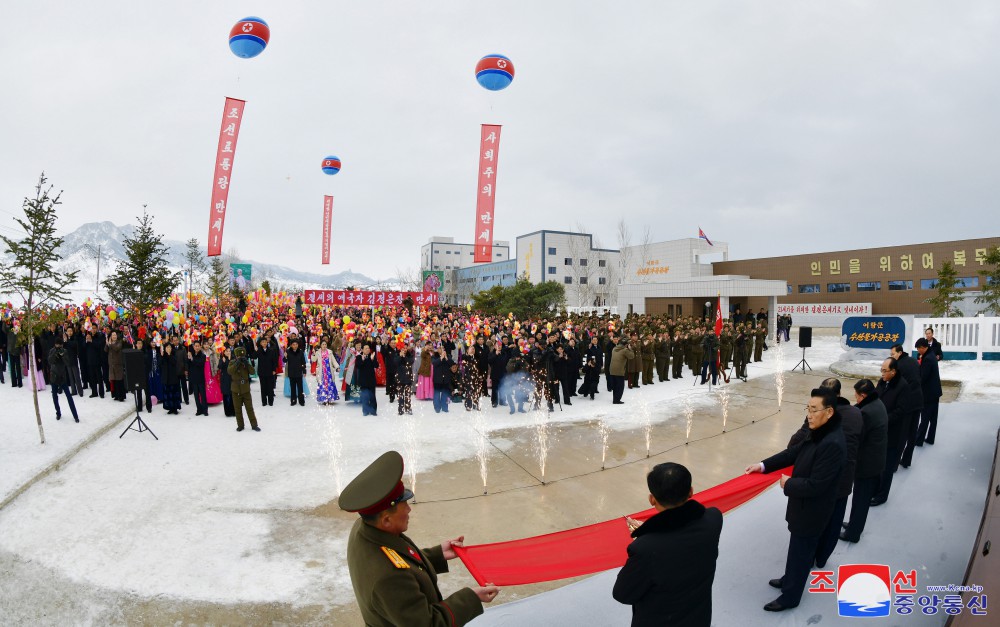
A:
<point x="648" y="360"/>
<point x="677" y="353"/>
<point x="661" y="349"/>
<point x="240" y="370"/>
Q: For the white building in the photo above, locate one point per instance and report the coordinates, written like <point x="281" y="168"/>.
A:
<point x="589" y="274"/>
<point x="443" y="253"/>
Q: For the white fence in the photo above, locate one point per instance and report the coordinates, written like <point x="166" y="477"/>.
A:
<point x="963" y="338"/>
<point x="599" y="311"/>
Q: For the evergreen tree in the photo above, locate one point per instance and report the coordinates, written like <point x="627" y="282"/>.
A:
<point x="195" y="260"/>
<point x="32" y="275"/>
<point x="143" y="280"/>
<point x="218" y="278"/>
<point x="523" y="299"/>
<point x="943" y="305"/>
<point x="991" y="282"/>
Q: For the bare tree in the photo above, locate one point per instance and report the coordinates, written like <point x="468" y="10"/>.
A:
<point x="585" y="259"/>
<point x="644" y="252"/>
<point x="409" y="280"/>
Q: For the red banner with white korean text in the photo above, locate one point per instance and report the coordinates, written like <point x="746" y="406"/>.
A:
<point x="327" y="216"/>
<point x="489" y="150"/>
<point x="348" y="298"/>
<point x="232" y="115"/>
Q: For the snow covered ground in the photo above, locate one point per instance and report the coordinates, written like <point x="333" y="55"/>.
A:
<point x="204" y="511"/>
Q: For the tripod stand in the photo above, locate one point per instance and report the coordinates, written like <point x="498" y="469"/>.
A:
<point x="803" y="363"/>
<point x="142" y="426"/>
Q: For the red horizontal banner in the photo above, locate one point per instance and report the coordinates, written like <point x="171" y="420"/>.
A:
<point x="590" y="549"/>
<point x="367" y="299"/>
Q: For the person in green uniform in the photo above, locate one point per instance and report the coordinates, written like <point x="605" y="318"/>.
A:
<point x="661" y="348"/>
<point x="758" y="345"/>
<point x="726" y="347"/>
<point x="740" y="353"/>
<point x="677" y="354"/>
<point x="395" y="582"/>
<point x="648" y="359"/>
<point x="240" y="370"/>
<point x="697" y="351"/>
<point x="634" y="365"/>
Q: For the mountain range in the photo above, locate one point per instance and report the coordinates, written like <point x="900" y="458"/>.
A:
<point x="79" y="252"/>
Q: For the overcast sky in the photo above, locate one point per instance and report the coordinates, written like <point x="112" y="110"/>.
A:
<point x="822" y="126"/>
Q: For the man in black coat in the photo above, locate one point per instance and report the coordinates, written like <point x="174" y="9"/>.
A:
<point x="852" y="423"/>
<point x="910" y="371"/>
<point x="295" y="369"/>
<point x="93" y="352"/>
<point x="267" y="368"/>
<point x="871" y="457"/>
<point x="930" y="387"/>
<point x="14" y="357"/>
<point x="391" y="358"/>
<point x="497" y="361"/>
<point x="811" y="490"/>
<point x="892" y="390"/>
<point x="365" y="367"/>
<point x="59" y="376"/>
<point x="441" y="365"/>
<point x="671" y="564"/>
<point x="932" y="344"/>
<point x="196" y="367"/>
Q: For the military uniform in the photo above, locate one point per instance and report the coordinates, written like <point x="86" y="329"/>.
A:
<point x="661" y="348"/>
<point x="697" y="353"/>
<point x="634" y="365"/>
<point x="739" y="354"/>
<point x="677" y="351"/>
<point x="725" y="349"/>
<point x="395" y="582"/>
<point x="240" y="370"/>
<point x="758" y="347"/>
<point x="648" y="360"/>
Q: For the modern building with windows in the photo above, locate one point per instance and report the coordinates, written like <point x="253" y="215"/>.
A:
<point x="893" y="279"/>
<point x="483" y="276"/>
<point x="589" y="272"/>
<point x="444" y="254"/>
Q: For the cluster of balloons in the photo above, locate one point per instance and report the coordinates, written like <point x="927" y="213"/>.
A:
<point x="249" y="37"/>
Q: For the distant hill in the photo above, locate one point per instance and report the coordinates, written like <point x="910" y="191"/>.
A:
<point x="77" y="255"/>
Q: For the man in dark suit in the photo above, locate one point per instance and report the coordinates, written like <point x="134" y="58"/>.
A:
<point x="811" y="490"/>
<point x="871" y="457"/>
<point x="930" y="386"/>
<point x="932" y="344"/>
<point x="891" y="390"/>
<point x="910" y="371"/>
<point x="671" y="564"/>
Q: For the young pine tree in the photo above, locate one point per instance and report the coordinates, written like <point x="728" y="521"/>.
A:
<point x="32" y="273"/>
<point x="194" y="260"/>
<point x="943" y="304"/>
<point x="143" y="280"/>
<point x="990" y="282"/>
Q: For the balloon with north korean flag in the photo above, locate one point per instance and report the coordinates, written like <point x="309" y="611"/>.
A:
<point x="331" y="165"/>
<point x="249" y="37"/>
<point x="495" y="72"/>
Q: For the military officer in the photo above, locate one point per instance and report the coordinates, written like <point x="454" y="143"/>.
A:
<point x="240" y="370"/>
<point x="677" y="353"/>
<point x="662" y="350"/>
<point x="395" y="582"/>
<point x="760" y="336"/>
<point x="648" y="360"/>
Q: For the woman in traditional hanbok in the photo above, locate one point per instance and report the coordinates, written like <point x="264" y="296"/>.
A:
<point x="425" y="375"/>
<point x="326" y="379"/>
<point x="380" y="362"/>
<point x="213" y="387"/>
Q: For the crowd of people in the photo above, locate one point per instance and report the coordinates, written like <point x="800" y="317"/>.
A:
<point x="447" y="356"/>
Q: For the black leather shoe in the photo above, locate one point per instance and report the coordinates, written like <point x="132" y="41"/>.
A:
<point x="775" y="606"/>
<point x="843" y="536"/>
<point x="845" y="525"/>
<point x="256" y="428"/>
<point x="877" y="502"/>
<point x="775" y="583"/>
<point x="239" y="428"/>
<point x="901" y="465"/>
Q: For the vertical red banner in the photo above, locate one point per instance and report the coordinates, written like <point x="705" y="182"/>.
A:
<point x="232" y="116"/>
<point x="327" y="217"/>
<point x="489" y="149"/>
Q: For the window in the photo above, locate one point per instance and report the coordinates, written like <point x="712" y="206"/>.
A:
<point x="437" y="267"/>
<point x="567" y="261"/>
<point x="552" y="269"/>
<point x="838" y="287"/>
<point x="568" y="280"/>
<point x="601" y="263"/>
<point x="925" y="284"/>
<point x="811" y="288"/>
<point x="552" y="251"/>
<point x="901" y="285"/>
<point x="583" y="280"/>
<point x="601" y="280"/>
<point x="869" y="286"/>
<point x="583" y="262"/>
<point x="679" y="314"/>
<point x="447" y="252"/>
<point x="789" y="288"/>
<point x="967" y="281"/>
<point x="499" y="255"/>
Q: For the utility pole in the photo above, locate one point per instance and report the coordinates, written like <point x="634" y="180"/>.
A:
<point x="97" y="254"/>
